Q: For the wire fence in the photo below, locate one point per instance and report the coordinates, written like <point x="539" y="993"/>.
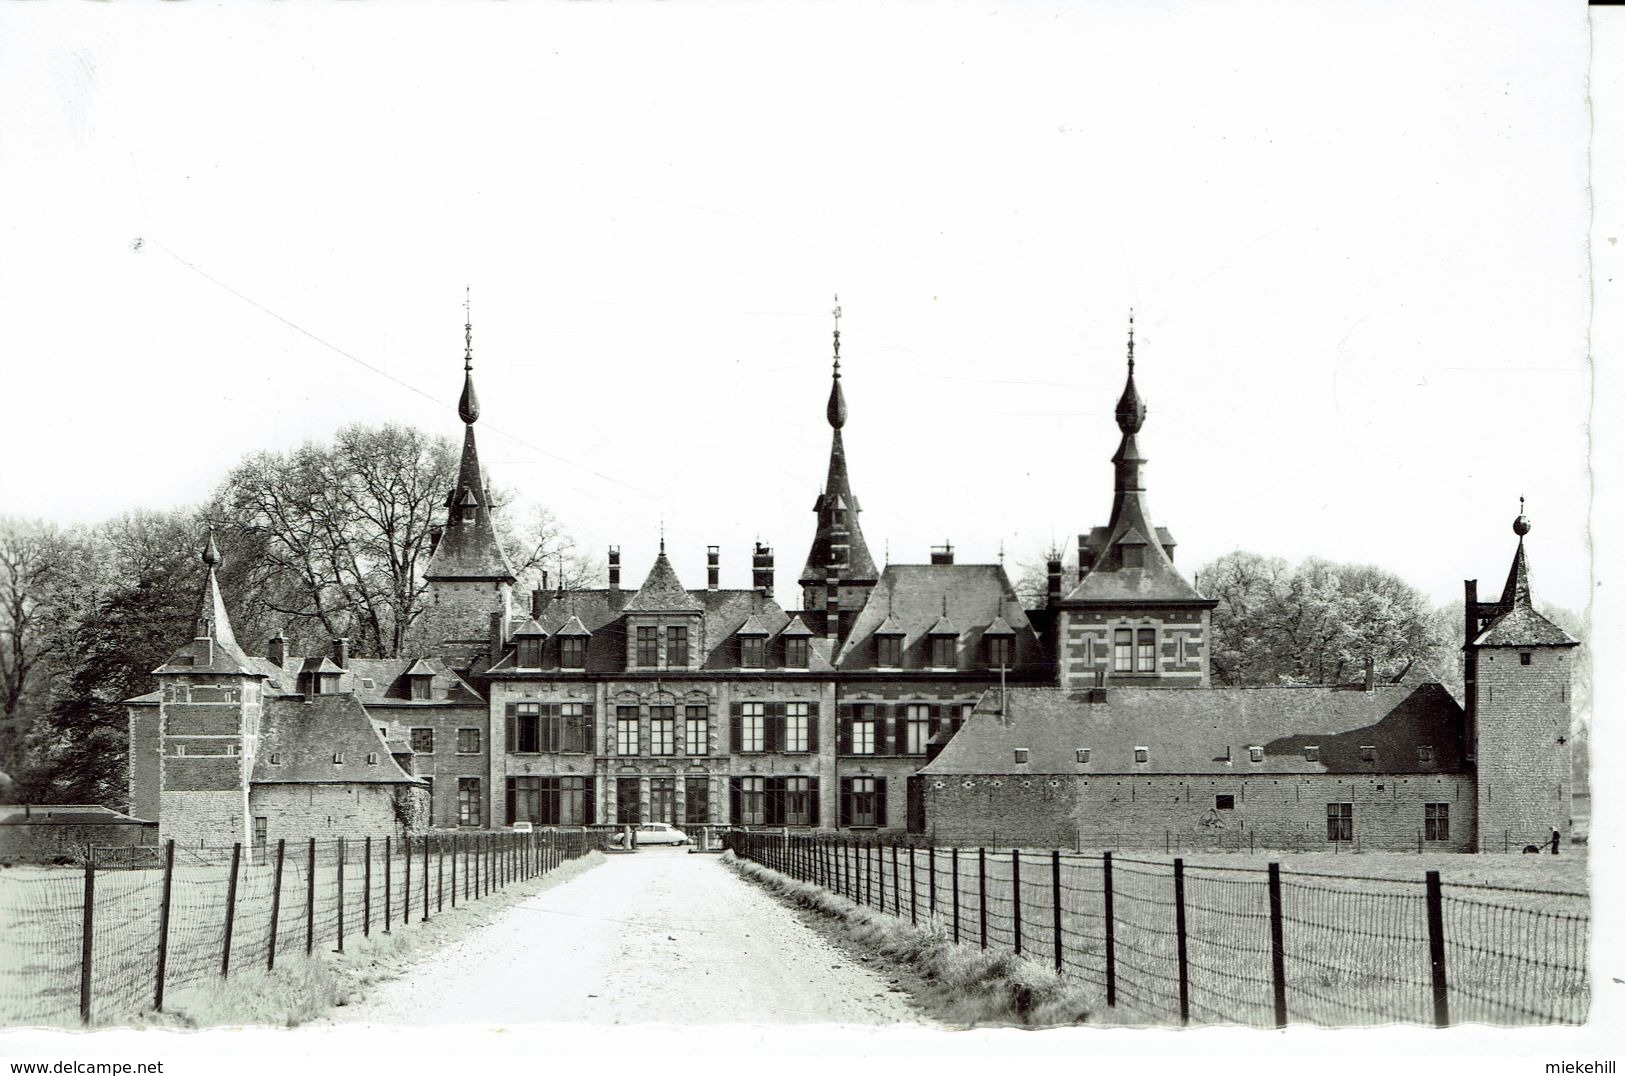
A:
<point x="102" y="944"/>
<point x="1179" y="943"/>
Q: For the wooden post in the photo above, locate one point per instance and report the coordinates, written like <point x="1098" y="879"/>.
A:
<point x="454" y="870"/>
<point x="1441" y="985"/>
<point x="1277" y="946"/>
<point x="276" y="900"/>
<point x="1055" y="897"/>
<point x="981" y="887"/>
<point x="954" y="871"/>
<point x="931" y="880"/>
<point x="1179" y="935"/>
<point x="425" y="843"/>
<point x="231" y="908"/>
<point x="163" y="924"/>
<point x="913" y="889"/>
<point x="439" y="875"/>
<point x="389" y="873"/>
<point x="87" y="936"/>
<point x="341" y="894"/>
<point x="896" y="884"/>
<point x="406" y="881"/>
<point x="310" y="899"/>
<point x="1015" y="892"/>
<point x="366" y="888"/>
<point x="1111" y="930"/>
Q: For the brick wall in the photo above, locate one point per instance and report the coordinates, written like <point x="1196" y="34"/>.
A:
<point x="297" y="812"/>
<point x="1150" y="812"/>
<point x="1524" y="778"/>
<point x="1086" y="639"/>
<point x="207" y="818"/>
<point x="146" y="749"/>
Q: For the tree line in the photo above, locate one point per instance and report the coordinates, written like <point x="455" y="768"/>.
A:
<point x="325" y="541"/>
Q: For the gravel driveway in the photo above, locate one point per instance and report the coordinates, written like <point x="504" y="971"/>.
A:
<point x="656" y="937"/>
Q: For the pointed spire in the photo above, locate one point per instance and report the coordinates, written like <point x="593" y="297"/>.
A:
<point x="838" y="546"/>
<point x="1516" y="592"/>
<point x="1518" y="622"/>
<point x="468" y="407"/>
<point x="213" y="647"/>
<point x="1130" y="408"/>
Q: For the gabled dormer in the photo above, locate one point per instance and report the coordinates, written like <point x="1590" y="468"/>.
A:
<point x="663" y="622"/>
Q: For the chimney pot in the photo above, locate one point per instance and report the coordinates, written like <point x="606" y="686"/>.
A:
<point x="713" y="556"/>
<point x="762" y="568"/>
<point x="614" y="567"/>
<point x="341" y="653"/>
<point x="1053" y="583"/>
<point x="277" y="650"/>
<point x="942" y="554"/>
<point x="538" y="602"/>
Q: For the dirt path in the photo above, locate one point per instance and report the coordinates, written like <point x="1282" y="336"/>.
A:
<point x="656" y="937"/>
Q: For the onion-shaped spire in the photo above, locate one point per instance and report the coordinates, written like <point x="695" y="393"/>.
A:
<point x="211" y="552"/>
<point x="1521" y="525"/>
<point x="1130" y="408"/>
<point x="468" y="405"/>
<point x="836" y="411"/>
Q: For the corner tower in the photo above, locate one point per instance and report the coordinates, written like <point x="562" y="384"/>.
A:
<point x="839" y="573"/>
<point x="1131" y="618"/>
<point x="211" y="702"/>
<point x="1519" y="668"/>
<point x="470" y="580"/>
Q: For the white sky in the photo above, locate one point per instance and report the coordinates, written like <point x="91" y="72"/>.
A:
<point x="1354" y="235"/>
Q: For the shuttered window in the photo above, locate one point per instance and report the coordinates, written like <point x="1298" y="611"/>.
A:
<point x="863" y="802"/>
<point x="573" y="652"/>
<point x="889" y="651"/>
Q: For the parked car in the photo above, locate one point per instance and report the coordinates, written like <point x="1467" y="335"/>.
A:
<point x="653" y="833"/>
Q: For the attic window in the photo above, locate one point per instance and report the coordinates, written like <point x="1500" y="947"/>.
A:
<point x="420" y="687"/>
<point x="470" y="513"/>
<point x="1368" y="752"/>
<point x="1424" y="752"/>
<point x="367" y="684"/>
<point x="276" y="759"/>
<point x="1524" y="657"/>
<point x="1083" y="755"/>
<point x="1021" y="754"/>
<point x="998" y="651"/>
<point x="372" y="758"/>
<point x="750" y="652"/>
<point x="1142" y="754"/>
<point x="1255" y="754"/>
<point x="529" y="654"/>
<point x="573" y="652"/>
<point x="942" y="651"/>
<point x="1311" y="753"/>
<point x="795" y="652"/>
<point x="338" y="758"/>
<point x="1224" y="801"/>
<point x="890" y="649"/>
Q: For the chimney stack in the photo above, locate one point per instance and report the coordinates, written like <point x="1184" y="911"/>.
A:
<point x="277" y="650"/>
<point x="614" y="567"/>
<point x="713" y="568"/>
<point x="499" y="636"/>
<point x="1053" y="584"/>
<point x="942" y="554"/>
<point x="762" y="568"/>
<point x="341" y="653"/>
<point x="538" y="602"/>
<point x="1370" y="673"/>
<point x="1086" y="559"/>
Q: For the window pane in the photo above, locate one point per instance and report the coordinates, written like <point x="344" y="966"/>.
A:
<point x="662" y="733"/>
<point x="753" y="728"/>
<point x="573" y="652"/>
<point x="468" y="741"/>
<point x="468" y="802"/>
<point x="697" y="739"/>
<point x="626" y="730"/>
<point x="676" y="646"/>
<point x="423" y="741"/>
<point x="1123" y="651"/>
<point x="796" y="718"/>
<point x="891" y="650"/>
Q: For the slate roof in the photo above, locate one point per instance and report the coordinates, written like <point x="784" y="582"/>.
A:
<point x="391" y="686"/>
<point x="1521" y="624"/>
<point x="1186" y="731"/>
<point x="64" y="814"/>
<point x="220" y="652"/>
<point x="306" y="733"/>
<point x="662" y="592"/>
<point x="908" y="600"/>
<point x="468" y="549"/>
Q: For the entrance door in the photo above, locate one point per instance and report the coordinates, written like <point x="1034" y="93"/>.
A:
<point x="663" y="799"/>
<point x="626" y="800"/>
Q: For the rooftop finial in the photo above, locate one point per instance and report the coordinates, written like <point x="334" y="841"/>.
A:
<point x="1521" y="525"/>
<point x="468" y="330"/>
<point x="662" y="536"/>
<point x="1130" y="408"/>
<point x="1131" y="340"/>
<point x="468" y="406"/>
<point x="211" y="552"/>
<point x="837" y="313"/>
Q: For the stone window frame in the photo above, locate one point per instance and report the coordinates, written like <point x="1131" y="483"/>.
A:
<point x="752" y="728"/>
<point x="626" y="730"/>
<point x="573" y="652"/>
<point x="662" y="730"/>
<point x="413" y="739"/>
<point x="696" y="730"/>
<point x="1142" y="754"/>
<point x="464" y="735"/>
<point x="1436" y="821"/>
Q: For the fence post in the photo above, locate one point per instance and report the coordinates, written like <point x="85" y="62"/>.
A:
<point x="1055" y="894"/>
<point x="1015" y="892"/>
<point x="310" y="900"/>
<point x="389" y="874"/>
<point x="276" y="899"/>
<point x="955" y="873"/>
<point x="1441" y="986"/>
<point x="896" y="885"/>
<point x="163" y="925"/>
<point x="1277" y="946"/>
<point x="87" y="929"/>
<point x="342" y="894"/>
<point x="425" y="843"/>
<point x="1111" y="930"/>
<point x="366" y="888"/>
<point x="931" y="881"/>
<point x="231" y="908"/>
<point x="913" y="889"/>
<point x="406" y="881"/>
<point x="1179" y="931"/>
<point x="981" y="891"/>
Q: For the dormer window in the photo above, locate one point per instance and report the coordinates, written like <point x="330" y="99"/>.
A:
<point x="795" y="652"/>
<point x="573" y="652"/>
<point x="470" y="513"/>
<point x="327" y="683"/>
<point x="998" y="651"/>
<point x="942" y="651"/>
<point x="1083" y="756"/>
<point x="1142" y="754"/>
<point x="1021" y="754"/>
<point x="528" y="655"/>
<point x="648" y="647"/>
<point x="420" y="688"/>
<point x="889" y="651"/>
<point x="1311" y="753"/>
<point x="1255" y="754"/>
<point x="1368" y="753"/>
<point x="750" y="651"/>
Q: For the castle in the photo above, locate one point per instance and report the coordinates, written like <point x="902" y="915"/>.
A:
<point x="918" y="697"/>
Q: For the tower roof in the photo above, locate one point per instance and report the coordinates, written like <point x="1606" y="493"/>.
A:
<point x="1520" y="625"/>
<point x="1131" y="563"/>
<point x="838" y="542"/>
<point x="213" y="647"/>
<point x="468" y="548"/>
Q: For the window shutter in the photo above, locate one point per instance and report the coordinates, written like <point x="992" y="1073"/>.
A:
<point x="846" y="801"/>
<point x="843" y="730"/>
<point x="512" y="797"/>
<point x="880" y="802"/>
<point x="935" y="722"/>
<point x="591" y="798"/>
<point x="883" y="727"/>
<point x="774" y="732"/>
<point x="733" y="796"/>
<point x="812" y="803"/>
<point x="773" y="800"/>
<point x="734" y="737"/>
<point x="513" y="709"/>
<point x="812" y="729"/>
<point x="589" y="738"/>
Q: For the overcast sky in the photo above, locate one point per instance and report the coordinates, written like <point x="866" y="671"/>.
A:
<point x="1354" y="236"/>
